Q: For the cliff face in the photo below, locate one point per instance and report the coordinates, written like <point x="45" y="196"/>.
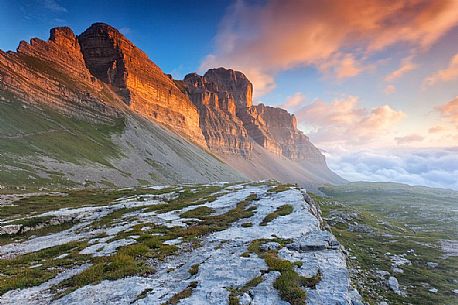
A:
<point x="222" y="129"/>
<point x="54" y="72"/>
<point x="144" y="87"/>
<point x="282" y="127"/>
<point x="231" y="123"/>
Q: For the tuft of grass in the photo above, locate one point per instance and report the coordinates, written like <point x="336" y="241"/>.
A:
<point x="198" y="212"/>
<point x="186" y="293"/>
<point x="235" y="293"/>
<point x="280" y="188"/>
<point x="194" y="269"/>
<point x="280" y="211"/>
<point x="247" y="224"/>
<point x="290" y="284"/>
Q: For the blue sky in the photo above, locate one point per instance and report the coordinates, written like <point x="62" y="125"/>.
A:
<point x="377" y="79"/>
<point x="175" y="34"/>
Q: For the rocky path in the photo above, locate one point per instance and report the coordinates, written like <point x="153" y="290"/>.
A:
<point x="273" y="235"/>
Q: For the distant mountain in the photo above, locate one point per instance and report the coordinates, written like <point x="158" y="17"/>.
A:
<point x="94" y="109"/>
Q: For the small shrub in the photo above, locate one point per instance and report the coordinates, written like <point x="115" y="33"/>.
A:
<point x="247" y="224"/>
<point x="194" y="269"/>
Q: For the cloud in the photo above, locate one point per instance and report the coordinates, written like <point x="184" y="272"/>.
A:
<point x="447" y="74"/>
<point x="430" y="167"/>
<point x="406" y="66"/>
<point x="390" y="89"/>
<point x="264" y="38"/>
<point x="341" y="66"/>
<point x="345" y="122"/>
<point x="294" y="101"/>
<point x="437" y="129"/>
<point x="125" y="31"/>
<point x="53" y="5"/>
<point x="409" y="139"/>
<point x="449" y="110"/>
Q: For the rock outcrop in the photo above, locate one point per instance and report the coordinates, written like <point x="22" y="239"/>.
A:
<point x="54" y="72"/>
<point x="115" y="60"/>
<point x="223" y="130"/>
<point x="282" y="128"/>
<point x="231" y="123"/>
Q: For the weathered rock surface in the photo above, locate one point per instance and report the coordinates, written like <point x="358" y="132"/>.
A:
<point x="219" y="255"/>
<point x="115" y="60"/>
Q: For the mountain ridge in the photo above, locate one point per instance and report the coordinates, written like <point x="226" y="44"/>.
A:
<point x="100" y="75"/>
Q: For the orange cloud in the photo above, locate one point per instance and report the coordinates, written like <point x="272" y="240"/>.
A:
<point x="406" y="66"/>
<point x="409" y="139"/>
<point x="263" y="39"/>
<point x="341" y="66"/>
<point x="294" y="101"/>
<point x="437" y="129"/>
<point x="449" y="73"/>
<point x="344" y="121"/>
<point x="390" y="89"/>
<point x="449" y="110"/>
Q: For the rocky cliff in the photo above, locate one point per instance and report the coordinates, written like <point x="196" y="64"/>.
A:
<point x="231" y="123"/>
<point x="54" y="72"/>
<point x="115" y="60"/>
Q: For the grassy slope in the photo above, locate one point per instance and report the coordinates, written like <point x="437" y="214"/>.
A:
<point x="402" y="218"/>
<point x="30" y="132"/>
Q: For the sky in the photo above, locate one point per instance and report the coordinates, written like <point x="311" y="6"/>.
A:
<point x="374" y="84"/>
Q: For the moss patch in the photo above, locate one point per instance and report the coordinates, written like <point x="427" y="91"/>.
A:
<point x="280" y="211"/>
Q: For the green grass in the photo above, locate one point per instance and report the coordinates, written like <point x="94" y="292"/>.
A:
<point x="186" y="293"/>
<point x="402" y="218"/>
<point x="235" y="293"/>
<point x="16" y="273"/>
<point x="215" y="223"/>
<point x="189" y="197"/>
<point x="127" y="261"/>
<point x="198" y="212"/>
<point x="27" y="131"/>
<point x="280" y="211"/>
<point x="280" y="188"/>
<point x="290" y="285"/>
<point x="73" y="199"/>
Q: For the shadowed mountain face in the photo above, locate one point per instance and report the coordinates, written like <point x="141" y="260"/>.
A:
<point x="100" y="77"/>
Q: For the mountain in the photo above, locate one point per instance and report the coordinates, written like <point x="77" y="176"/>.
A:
<point x="93" y="109"/>
<point x="258" y="140"/>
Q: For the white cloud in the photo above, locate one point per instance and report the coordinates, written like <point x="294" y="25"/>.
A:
<point x="430" y="167"/>
<point x="54" y="6"/>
